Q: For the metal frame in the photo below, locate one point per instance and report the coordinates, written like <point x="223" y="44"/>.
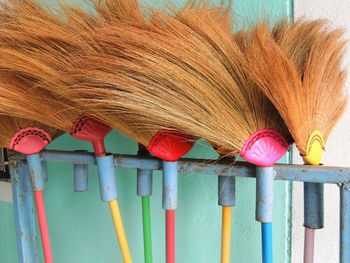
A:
<point x="23" y="206"/>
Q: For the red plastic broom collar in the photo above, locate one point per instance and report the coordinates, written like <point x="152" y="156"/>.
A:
<point x="90" y="129"/>
<point x="170" y="144"/>
<point x="30" y="140"/>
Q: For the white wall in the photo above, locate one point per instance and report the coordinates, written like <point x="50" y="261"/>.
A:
<point x="5" y="192"/>
<point x="337" y="147"/>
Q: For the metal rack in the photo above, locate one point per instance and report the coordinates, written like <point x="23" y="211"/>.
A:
<point x="23" y="202"/>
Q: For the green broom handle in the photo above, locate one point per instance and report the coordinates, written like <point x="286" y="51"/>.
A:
<point x="146" y="216"/>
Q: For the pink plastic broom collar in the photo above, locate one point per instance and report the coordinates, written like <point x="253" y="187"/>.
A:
<point x="264" y="148"/>
<point x="90" y="129"/>
<point x="30" y="140"/>
<point x="170" y="145"/>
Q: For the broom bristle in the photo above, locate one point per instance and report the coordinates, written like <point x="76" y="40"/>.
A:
<point x="308" y="102"/>
<point x="125" y="10"/>
<point x="36" y="45"/>
<point x="181" y="71"/>
<point x="19" y="100"/>
<point x="297" y="39"/>
<point x="10" y="126"/>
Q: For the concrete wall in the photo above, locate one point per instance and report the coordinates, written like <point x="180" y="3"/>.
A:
<point x="337" y="148"/>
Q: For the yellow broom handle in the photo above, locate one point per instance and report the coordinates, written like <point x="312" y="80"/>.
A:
<point x="119" y="229"/>
<point x="226" y="234"/>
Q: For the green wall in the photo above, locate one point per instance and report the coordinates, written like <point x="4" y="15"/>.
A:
<point x="81" y="228"/>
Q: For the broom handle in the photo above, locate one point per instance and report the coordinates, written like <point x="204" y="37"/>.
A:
<point x="313" y="216"/>
<point x="144" y="190"/>
<point x="266" y="230"/>
<point x="309" y="245"/>
<point x="146" y="218"/>
<point x="37" y="178"/>
<point x="226" y="199"/>
<point x="44" y="232"/>
<point x="264" y="209"/>
<point x="169" y="203"/>
<point x="226" y="234"/>
<point x="119" y="229"/>
<point x="170" y="236"/>
<point x="108" y="192"/>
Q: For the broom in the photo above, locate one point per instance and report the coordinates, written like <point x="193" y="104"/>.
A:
<point x="311" y="101"/>
<point x="226" y="184"/>
<point x="30" y="137"/>
<point x="114" y="12"/>
<point x="167" y="75"/>
<point x="144" y="190"/>
<point x="48" y="52"/>
<point x="296" y="41"/>
<point x="169" y="145"/>
<point x="192" y="22"/>
<point x="29" y="28"/>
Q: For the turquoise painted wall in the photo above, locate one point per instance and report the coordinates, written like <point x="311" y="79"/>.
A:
<point x="81" y="228"/>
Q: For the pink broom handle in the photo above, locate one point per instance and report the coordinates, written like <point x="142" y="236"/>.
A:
<point x="309" y="245"/>
<point x="35" y="168"/>
<point x="170" y="236"/>
<point x="44" y="232"/>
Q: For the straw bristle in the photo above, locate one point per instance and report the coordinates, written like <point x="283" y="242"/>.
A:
<point x="36" y="45"/>
<point x="297" y="39"/>
<point x="21" y="100"/>
<point x="10" y="125"/>
<point x="125" y="10"/>
<point x="308" y="102"/>
<point x="182" y="71"/>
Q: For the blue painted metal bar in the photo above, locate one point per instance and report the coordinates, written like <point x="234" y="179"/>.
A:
<point x="302" y="173"/>
<point x="226" y="190"/>
<point x="344" y="223"/>
<point x="312" y="174"/>
<point x="106" y="176"/>
<point x="44" y="171"/>
<point x="23" y="211"/>
<point x="36" y="172"/>
<point x="69" y="157"/>
<point x="313" y="205"/>
<point x="80" y="177"/>
<point x="266" y="230"/>
<point x="169" y="185"/>
<point x="144" y="182"/>
<point x="264" y="194"/>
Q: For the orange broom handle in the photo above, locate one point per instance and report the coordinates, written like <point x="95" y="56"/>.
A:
<point x="226" y="234"/>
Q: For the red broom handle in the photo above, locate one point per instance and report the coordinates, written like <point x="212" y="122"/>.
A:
<point x="45" y="240"/>
<point x="170" y="236"/>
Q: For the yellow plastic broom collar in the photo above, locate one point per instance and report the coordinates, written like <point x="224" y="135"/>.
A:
<point x="315" y="148"/>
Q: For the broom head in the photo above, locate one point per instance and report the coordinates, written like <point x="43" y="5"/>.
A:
<point x="90" y="129"/>
<point x="309" y="98"/>
<point x="25" y="136"/>
<point x="37" y="45"/>
<point x="264" y="148"/>
<point x="170" y="145"/>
